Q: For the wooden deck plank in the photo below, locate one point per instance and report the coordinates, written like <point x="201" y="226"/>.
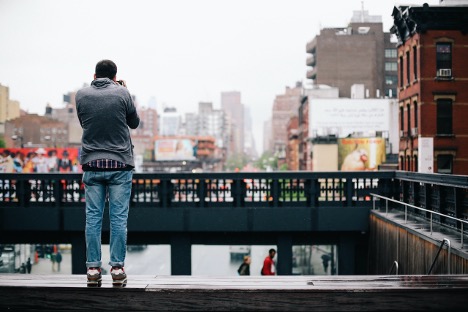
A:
<point x="273" y="293"/>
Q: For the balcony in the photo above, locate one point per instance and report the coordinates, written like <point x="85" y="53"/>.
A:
<point x="311" y="46"/>
<point x="310" y="60"/>
<point x="312" y="74"/>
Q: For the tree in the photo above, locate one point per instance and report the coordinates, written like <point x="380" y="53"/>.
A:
<point x="267" y="161"/>
<point x="236" y="162"/>
<point x="2" y="142"/>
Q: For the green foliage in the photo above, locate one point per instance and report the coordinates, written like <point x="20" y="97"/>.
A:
<point x="236" y="162"/>
<point x="284" y="167"/>
<point x="267" y="160"/>
<point x="2" y="142"/>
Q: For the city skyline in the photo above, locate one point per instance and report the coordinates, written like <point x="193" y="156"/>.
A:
<point x="177" y="53"/>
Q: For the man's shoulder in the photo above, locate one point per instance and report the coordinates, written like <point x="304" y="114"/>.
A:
<point x="82" y="91"/>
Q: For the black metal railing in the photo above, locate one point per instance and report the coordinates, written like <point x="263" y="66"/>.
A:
<point x="436" y="192"/>
<point x="300" y="189"/>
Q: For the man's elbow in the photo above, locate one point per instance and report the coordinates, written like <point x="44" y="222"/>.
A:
<point x="134" y="124"/>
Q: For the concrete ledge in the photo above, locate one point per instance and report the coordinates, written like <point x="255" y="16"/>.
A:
<point x="276" y="293"/>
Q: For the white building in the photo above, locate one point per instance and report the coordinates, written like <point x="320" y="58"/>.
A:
<point x="169" y="122"/>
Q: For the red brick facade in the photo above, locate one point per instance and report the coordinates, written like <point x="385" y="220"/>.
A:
<point x="433" y="87"/>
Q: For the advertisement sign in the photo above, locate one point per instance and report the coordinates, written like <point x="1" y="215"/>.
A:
<point x="425" y="155"/>
<point x="40" y="160"/>
<point x="346" y="116"/>
<point x="174" y="149"/>
<point x="358" y="154"/>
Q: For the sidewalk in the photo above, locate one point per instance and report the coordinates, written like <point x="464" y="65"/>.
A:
<point x="44" y="265"/>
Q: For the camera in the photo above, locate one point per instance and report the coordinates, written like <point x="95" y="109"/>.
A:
<point x="121" y="82"/>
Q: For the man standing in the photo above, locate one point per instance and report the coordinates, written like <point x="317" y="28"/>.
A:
<point x="269" y="263"/>
<point x="106" y="111"/>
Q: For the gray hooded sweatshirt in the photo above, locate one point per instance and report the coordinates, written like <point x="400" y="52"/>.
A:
<point x="106" y="111"/>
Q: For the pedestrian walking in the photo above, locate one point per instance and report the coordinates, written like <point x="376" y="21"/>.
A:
<point x="53" y="260"/>
<point x="244" y="268"/>
<point x="106" y="111"/>
<point x="28" y="266"/>
<point x="269" y="263"/>
<point x="58" y="258"/>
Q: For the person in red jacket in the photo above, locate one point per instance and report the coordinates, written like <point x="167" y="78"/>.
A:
<point x="269" y="263"/>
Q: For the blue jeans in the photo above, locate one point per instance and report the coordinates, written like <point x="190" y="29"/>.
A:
<point x="117" y="187"/>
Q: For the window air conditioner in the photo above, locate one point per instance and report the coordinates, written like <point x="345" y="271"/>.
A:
<point x="444" y="72"/>
<point x="414" y="131"/>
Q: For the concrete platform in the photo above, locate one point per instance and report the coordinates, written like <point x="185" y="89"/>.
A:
<point x="275" y="293"/>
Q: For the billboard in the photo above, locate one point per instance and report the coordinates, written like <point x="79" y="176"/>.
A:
<point x="40" y="160"/>
<point x="174" y="149"/>
<point x="346" y="116"/>
<point x="358" y="154"/>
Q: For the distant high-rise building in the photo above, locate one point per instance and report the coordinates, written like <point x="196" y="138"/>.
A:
<point x="67" y="114"/>
<point x="9" y="109"/>
<point x="285" y="106"/>
<point x="361" y="53"/>
<point x="267" y="136"/>
<point x="249" y="141"/>
<point x="208" y="122"/>
<point x="143" y="136"/>
<point x="169" y="122"/>
<point x="231" y="104"/>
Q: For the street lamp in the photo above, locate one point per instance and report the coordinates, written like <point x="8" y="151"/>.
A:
<point x="15" y="137"/>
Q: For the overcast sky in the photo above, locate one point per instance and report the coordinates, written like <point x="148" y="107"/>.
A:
<point x="178" y="52"/>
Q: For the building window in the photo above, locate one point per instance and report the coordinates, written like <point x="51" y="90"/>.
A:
<point x="444" y="59"/>
<point x="444" y="164"/>
<point x="415" y="62"/>
<point x="408" y="71"/>
<point x="390" y="66"/>
<point x="391" y="80"/>
<point x="444" y="116"/>
<point x="402" y="119"/>
<point x="401" y="71"/>
<point x="391" y="92"/>
<point x="408" y="117"/>
<point x="390" y="53"/>
<point x="415" y="114"/>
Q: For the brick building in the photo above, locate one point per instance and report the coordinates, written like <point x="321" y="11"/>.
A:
<point x="292" y="150"/>
<point x="285" y="106"/>
<point x="34" y="130"/>
<point x="433" y="87"/>
<point x="360" y="53"/>
<point x="303" y="135"/>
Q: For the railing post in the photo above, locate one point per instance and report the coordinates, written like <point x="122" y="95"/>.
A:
<point x="202" y="192"/>
<point x="313" y="186"/>
<point x="349" y="192"/>
<point x="431" y="223"/>
<point x="406" y="213"/>
<point x="461" y="235"/>
<point x="449" y="251"/>
<point x="239" y="192"/>
<point x="275" y="192"/>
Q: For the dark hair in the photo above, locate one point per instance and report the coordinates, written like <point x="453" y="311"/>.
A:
<point x="272" y="250"/>
<point x="106" y="69"/>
